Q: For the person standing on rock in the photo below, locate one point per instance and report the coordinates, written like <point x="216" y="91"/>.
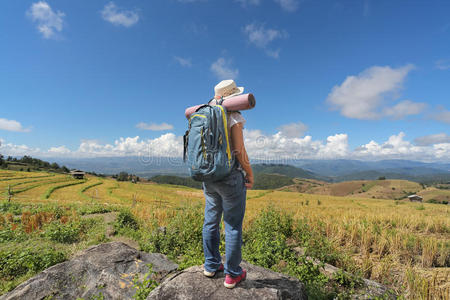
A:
<point x="227" y="196"/>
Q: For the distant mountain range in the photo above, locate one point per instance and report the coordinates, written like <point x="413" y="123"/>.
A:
<point x="326" y="170"/>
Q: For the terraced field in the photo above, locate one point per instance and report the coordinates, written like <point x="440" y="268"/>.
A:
<point x="404" y="245"/>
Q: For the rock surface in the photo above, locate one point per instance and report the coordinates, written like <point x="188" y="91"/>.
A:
<point x="104" y="270"/>
<point x="260" y="284"/>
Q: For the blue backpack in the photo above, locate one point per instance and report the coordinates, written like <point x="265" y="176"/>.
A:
<point x="206" y="147"/>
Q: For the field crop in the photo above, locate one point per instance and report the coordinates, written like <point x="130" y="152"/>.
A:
<point x="403" y="245"/>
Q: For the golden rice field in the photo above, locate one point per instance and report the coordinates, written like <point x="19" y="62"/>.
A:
<point x="401" y="244"/>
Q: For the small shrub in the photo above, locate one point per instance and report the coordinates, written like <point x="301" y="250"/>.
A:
<point x="11" y="233"/>
<point x="144" y="287"/>
<point x="433" y="201"/>
<point x="265" y="241"/>
<point x="93" y="209"/>
<point x="126" y="219"/>
<point x="11" y="207"/>
<point x="63" y="233"/>
<point x="181" y="240"/>
<point x="420" y="207"/>
<point x="347" y="280"/>
<point x="17" y="262"/>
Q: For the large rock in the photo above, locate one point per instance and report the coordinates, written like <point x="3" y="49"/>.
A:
<point x="104" y="270"/>
<point x="260" y="284"/>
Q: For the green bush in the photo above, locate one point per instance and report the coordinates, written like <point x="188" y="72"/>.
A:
<point x="347" y="280"/>
<point x="11" y="207"/>
<point x="93" y="209"/>
<point x="181" y="240"/>
<point x="144" y="287"/>
<point x="265" y="245"/>
<point x="7" y="234"/>
<point x="126" y="219"/>
<point x="63" y="233"/>
<point x="265" y="241"/>
<point x="315" y="244"/>
<point x="17" y="262"/>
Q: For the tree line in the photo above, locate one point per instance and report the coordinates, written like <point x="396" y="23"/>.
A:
<point x="29" y="162"/>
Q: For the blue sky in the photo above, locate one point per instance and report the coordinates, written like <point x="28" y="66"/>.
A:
<point x="332" y="79"/>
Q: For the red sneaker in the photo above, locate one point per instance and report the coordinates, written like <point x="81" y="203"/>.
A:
<point x="211" y="274"/>
<point x="230" y="282"/>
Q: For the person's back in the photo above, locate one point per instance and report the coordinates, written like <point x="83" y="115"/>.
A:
<point x="228" y="197"/>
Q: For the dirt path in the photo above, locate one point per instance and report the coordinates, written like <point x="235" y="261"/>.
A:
<point x="109" y="219"/>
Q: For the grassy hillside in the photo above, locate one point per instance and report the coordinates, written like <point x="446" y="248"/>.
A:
<point x="263" y="181"/>
<point x="378" y="189"/>
<point x="176" y="180"/>
<point x="436" y="177"/>
<point x="287" y="170"/>
<point x="401" y="244"/>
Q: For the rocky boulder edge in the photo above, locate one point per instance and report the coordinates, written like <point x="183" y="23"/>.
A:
<point x="261" y="283"/>
<point x="105" y="270"/>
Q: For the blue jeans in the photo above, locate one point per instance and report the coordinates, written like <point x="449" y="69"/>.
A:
<point x="226" y="196"/>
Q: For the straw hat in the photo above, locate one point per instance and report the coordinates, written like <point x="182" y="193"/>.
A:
<point x="227" y="89"/>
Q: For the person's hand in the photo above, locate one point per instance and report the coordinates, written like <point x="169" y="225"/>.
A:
<point x="249" y="181"/>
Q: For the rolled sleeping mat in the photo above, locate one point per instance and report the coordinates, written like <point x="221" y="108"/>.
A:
<point x="240" y="102"/>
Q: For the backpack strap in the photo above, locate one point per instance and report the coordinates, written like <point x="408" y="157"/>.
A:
<point x="201" y="106"/>
<point x="185" y="144"/>
<point x="218" y="102"/>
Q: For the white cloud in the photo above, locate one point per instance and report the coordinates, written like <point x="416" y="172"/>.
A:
<point x="17" y="150"/>
<point x="443" y="116"/>
<point x="361" y="96"/>
<point x="403" y="109"/>
<point x="397" y="148"/>
<point x="442" y="151"/>
<point x="288" y="5"/>
<point x="432" y="139"/>
<point x="443" y="64"/>
<point x="261" y="37"/>
<point x="184" y="62"/>
<point x="154" y="126"/>
<point x="280" y="147"/>
<point x="48" y="22"/>
<point x="293" y="130"/>
<point x="223" y="70"/>
<point x="12" y="125"/>
<point x="259" y="146"/>
<point x="59" y="150"/>
<point x="116" y="16"/>
<point x="167" y="145"/>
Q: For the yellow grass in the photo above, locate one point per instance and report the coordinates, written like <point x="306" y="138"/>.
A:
<point x="72" y="193"/>
<point x="402" y="244"/>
